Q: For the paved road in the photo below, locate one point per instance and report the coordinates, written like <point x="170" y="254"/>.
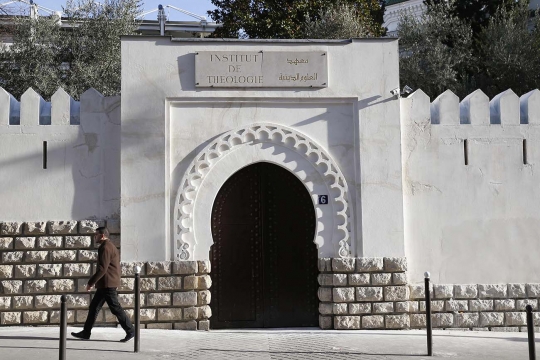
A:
<point x="18" y="343"/>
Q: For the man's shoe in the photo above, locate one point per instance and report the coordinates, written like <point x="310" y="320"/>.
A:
<point x="81" y="335"/>
<point x="128" y="337"/>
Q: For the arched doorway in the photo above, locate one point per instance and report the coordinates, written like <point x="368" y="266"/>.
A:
<point x="264" y="261"/>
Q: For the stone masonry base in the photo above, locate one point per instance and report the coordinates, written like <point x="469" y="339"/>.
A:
<point x="372" y="293"/>
<point x="40" y="261"/>
<point x="363" y="293"/>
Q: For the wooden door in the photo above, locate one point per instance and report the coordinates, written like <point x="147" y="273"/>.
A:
<point x="264" y="261"/>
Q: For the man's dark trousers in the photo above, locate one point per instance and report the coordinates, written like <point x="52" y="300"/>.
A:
<point x="110" y="296"/>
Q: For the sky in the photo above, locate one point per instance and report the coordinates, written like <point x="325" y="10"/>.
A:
<point x="198" y="7"/>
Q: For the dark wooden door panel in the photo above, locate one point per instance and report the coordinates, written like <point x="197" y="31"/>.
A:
<point x="236" y="253"/>
<point x="238" y="283"/>
<point x="264" y="261"/>
<point x="291" y="272"/>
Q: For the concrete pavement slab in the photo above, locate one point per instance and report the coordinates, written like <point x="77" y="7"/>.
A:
<point x="31" y="343"/>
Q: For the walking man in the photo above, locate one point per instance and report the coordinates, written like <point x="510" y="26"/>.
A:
<point x="106" y="280"/>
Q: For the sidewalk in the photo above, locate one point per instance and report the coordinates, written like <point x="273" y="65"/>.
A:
<point x="25" y="343"/>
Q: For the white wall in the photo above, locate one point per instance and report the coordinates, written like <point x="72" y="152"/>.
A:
<point x="82" y="179"/>
<point x="308" y="118"/>
<point x="162" y="131"/>
<point x="475" y="223"/>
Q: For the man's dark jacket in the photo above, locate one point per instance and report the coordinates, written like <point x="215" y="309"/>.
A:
<point x="108" y="269"/>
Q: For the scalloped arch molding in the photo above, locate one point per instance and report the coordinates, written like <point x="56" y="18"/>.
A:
<point x="239" y="148"/>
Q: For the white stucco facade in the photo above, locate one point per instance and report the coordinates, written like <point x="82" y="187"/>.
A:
<point x="168" y="122"/>
<point x="470" y="187"/>
<point x="449" y="183"/>
<point x="81" y="149"/>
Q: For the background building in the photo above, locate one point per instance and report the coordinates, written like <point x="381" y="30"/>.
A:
<point x="395" y="9"/>
<point x="198" y="27"/>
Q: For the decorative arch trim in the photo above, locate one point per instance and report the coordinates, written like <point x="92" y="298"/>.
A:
<point x="184" y="234"/>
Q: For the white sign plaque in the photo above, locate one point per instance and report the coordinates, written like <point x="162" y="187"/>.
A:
<point x="261" y="69"/>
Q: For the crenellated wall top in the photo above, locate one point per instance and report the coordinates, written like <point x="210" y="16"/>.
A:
<point x="506" y="109"/>
<point x="33" y="110"/>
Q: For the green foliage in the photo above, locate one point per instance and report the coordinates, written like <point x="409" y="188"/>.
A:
<point x="509" y="50"/>
<point x="282" y="19"/>
<point x="435" y="51"/>
<point x="476" y="12"/>
<point x="46" y="56"/>
<point x="343" y="21"/>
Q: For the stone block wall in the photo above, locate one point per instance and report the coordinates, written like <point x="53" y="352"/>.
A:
<point x="363" y="293"/>
<point x="373" y="293"/>
<point x="495" y="307"/>
<point x="40" y="261"/>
